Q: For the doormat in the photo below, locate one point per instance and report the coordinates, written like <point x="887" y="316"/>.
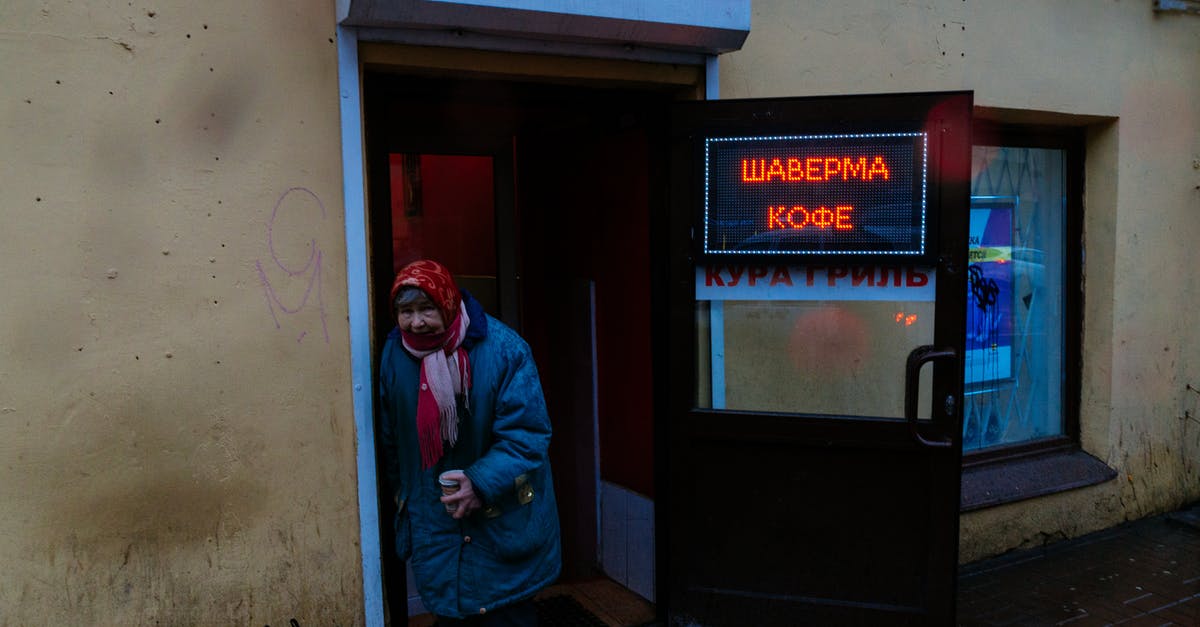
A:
<point x="564" y="611"/>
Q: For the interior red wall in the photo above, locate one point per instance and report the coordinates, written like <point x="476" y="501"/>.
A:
<point x="455" y="223"/>
<point x="586" y="215"/>
<point x="621" y="258"/>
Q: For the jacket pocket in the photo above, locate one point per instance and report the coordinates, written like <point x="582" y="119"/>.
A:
<point x="526" y="522"/>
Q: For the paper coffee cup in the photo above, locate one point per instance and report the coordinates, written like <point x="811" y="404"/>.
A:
<point x="449" y="486"/>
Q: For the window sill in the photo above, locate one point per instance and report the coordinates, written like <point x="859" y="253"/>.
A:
<point x="1016" y="479"/>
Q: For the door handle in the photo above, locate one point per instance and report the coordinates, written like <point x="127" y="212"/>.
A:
<point x="912" y="378"/>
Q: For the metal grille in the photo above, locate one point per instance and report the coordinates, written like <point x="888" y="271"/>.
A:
<point x="1013" y="391"/>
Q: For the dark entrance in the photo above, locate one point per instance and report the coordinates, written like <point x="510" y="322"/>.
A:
<point x="539" y="197"/>
<point x="802" y="465"/>
<point x="813" y="472"/>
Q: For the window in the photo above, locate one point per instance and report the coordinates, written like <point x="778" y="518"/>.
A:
<point x="1021" y="411"/>
<point x="1022" y="318"/>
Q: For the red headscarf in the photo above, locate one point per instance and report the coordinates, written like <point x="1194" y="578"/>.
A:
<point x="445" y="368"/>
<point x="435" y="280"/>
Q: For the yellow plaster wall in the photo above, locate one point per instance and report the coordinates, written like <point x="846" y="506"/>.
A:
<point x="1130" y="76"/>
<point x="176" y="432"/>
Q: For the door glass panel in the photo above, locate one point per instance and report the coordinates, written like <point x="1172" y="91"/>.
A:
<point x="443" y="208"/>
<point x="1014" y="364"/>
<point x="816" y="340"/>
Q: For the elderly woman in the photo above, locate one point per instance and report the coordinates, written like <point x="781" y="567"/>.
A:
<point x="460" y="398"/>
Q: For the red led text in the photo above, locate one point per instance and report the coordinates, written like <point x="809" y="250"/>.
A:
<point x="798" y="217"/>
<point x="814" y="169"/>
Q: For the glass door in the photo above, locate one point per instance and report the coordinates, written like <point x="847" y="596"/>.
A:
<point x="814" y="441"/>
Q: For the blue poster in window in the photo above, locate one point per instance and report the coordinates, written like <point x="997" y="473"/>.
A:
<point x="989" y="349"/>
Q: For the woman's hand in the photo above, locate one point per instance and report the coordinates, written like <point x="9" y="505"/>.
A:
<point x="466" y="499"/>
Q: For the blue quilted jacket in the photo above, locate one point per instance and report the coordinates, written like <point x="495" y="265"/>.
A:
<point x="510" y="549"/>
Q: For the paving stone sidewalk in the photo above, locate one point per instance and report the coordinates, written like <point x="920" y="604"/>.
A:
<point x="1145" y="572"/>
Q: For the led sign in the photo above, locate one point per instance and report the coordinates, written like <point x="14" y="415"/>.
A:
<point x="816" y="195"/>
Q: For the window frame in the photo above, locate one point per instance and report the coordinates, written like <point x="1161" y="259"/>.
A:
<point x="1071" y="142"/>
<point x="1008" y="473"/>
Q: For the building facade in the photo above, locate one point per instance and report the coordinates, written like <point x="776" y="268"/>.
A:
<point x="202" y="201"/>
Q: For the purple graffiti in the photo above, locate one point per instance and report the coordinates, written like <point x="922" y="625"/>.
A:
<point x="311" y="270"/>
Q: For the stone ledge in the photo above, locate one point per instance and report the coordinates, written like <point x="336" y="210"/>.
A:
<point x="1010" y="480"/>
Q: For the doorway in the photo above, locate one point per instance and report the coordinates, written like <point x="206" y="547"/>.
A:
<point x="542" y="199"/>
